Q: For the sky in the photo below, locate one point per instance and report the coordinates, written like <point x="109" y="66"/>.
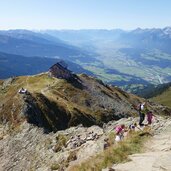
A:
<point x="84" y="14"/>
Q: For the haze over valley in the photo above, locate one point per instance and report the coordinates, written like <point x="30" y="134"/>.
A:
<point x="118" y="57"/>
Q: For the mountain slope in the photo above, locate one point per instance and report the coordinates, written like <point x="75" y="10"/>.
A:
<point x="158" y="93"/>
<point x="164" y="96"/>
<point x="27" y="43"/>
<point x="33" y="36"/>
<point x="54" y="103"/>
<point x="58" y="104"/>
<point x="30" y="48"/>
<point x="148" y="39"/>
<point x="27" y="118"/>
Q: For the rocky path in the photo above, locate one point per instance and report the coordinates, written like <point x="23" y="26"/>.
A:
<point x="30" y="149"/>
<point x="157" y="156"/>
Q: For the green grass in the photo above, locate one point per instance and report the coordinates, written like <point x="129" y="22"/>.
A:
<point x="97" y="70"/>
<point x="124" y="63"/>
<point x="163" y="98"/>
<point x="38" y="82"/>
<point x="114" y="154"/>
<point x="55" y="166"/>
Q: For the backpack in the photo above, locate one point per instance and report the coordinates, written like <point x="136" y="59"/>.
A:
<point x="140" y="107"/>
<point x="118" y="129"/>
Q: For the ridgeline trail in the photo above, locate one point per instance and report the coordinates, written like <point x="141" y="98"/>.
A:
<point x="157" y="155"/>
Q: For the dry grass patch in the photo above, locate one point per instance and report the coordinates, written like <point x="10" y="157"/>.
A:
<point x="114" y="154"/>
<point x="61" y="142"/>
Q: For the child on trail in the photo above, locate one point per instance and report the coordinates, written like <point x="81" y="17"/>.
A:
<point x="132" y="126"/>
<point x="119" y="132"/>
<point x="150" y="116"/>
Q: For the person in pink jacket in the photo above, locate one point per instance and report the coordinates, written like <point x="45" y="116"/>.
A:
<point x="150" y="116"/>
<point x="119" y="132"/>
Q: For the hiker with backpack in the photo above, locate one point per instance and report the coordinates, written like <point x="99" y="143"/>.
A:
<point x="142" y="111"/>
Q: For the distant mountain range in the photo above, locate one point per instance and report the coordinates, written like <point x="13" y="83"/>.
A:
<point x="17" y="65"/>
<point x="139" y="57"/>
<point x="28" y="43"/>
<point x="138" y="38"/>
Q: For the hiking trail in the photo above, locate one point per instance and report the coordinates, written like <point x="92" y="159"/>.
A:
<point x="157" y="155"/>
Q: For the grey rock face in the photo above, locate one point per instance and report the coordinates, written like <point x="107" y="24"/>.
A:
<point x="59" y="71"/>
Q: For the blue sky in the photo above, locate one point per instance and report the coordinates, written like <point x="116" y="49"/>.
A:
<point x="84" y="14"/>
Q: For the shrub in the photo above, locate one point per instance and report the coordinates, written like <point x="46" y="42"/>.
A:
<point x="55" y="166"/>
<point x="61" y="142"/>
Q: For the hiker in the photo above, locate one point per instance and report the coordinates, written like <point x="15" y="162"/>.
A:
<point x="119" y="132"/>
<point x="150" y="116"/>
<point x="141" y="110"/>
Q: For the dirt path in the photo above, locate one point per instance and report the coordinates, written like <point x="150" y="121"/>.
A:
<point x="48" y="85"/>
<point x="157" y="156"/>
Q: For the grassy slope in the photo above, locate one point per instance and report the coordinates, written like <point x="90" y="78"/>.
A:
<point x="57" y="104"/>
<point x="164" y="98"/>
<point x="90" y="102"/>
<point x="11" y="101"/>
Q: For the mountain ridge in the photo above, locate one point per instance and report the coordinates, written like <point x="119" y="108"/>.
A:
<point x="61" y="94"/>
<point x="50" y="102"/>
<point x="16" y="65"/>
<point x="49" y="123"/>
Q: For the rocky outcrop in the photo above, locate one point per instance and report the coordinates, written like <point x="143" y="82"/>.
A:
<point x="42" y="112"/>
<point x="90" y="134"/>
<point x="59" y="70"/>
<point x="30" y="149"/>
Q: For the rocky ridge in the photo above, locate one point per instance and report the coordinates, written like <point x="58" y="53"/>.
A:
<point x="57" y="104"/>
<point x="30" y="149"/>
